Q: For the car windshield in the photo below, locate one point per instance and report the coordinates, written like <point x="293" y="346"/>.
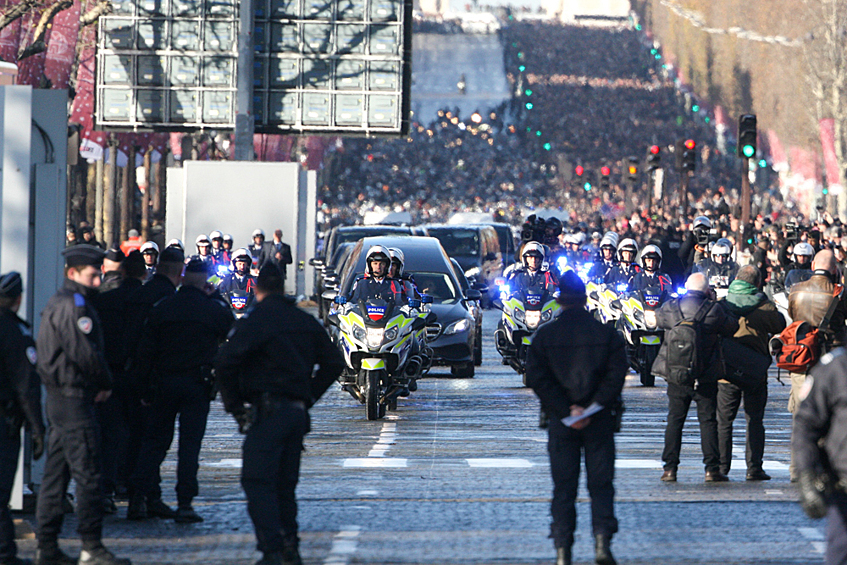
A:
<point x="503" y="234"/>
<point x="458" y="243"/>
<point x="353" y="236"/>
<point x="437" y="285"/>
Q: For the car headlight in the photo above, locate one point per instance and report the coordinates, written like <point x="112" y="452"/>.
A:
<point x="391" y="333"/>
<point x="359" y="333"/>
<point x="546" y="315"/>
<point x="520" y="315"/>
<point x="458" y="326"/>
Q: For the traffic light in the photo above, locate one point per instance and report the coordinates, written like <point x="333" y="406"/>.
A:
<point x="579" y="170"/>
<point x="654" y="158"/>
<point x="689" y="155"/>
<point x="529" y="105"/>
<point x="604" y="176"/>
<point x="587" y="187"/>
<point x="747" y="135"/>
<point x="548" y="146"/>
<point x="632" y="170"/>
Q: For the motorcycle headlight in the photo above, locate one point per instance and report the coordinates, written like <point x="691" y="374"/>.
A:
<point x="621" y="287"/>
<point x="458" y="326"/>
<point x="375" y="336"/>
<point x="520" y="315"/>
<point x="359" y="333"/>
<point x="533" y="318"/>
<point x="391" y="333"/>
<point x="546" y="315"/>
<point x="650" y="319"/>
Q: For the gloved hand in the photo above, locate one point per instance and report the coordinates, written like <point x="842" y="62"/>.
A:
<point x="244" y="421"/>
<point x="812" y="498"/>
<point x="37" y="445"/>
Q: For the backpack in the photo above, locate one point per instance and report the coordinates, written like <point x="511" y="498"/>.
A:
<point x="798" y="348"/>
<point x="682" y="357"/>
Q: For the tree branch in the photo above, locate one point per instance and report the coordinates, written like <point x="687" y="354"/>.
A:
<point x="16" y="12"/>
<point x="102" y="8"/>
<point x="38" y="44"/>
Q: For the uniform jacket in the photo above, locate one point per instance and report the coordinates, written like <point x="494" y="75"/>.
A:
<point x="576" y="360"/>
<point x="758" y="318"/>
<point x="386" y="289"/>
<point x="139" y="304"/>
<point x="718" y="322"/>
<point x="274" y="350"/>
<point x="110" y="281"/>
<point x="20" y="389"/>
<point x="822" y="414"/>
<point x="522" y="278"/>
<point x="111" y="307"/>
<point x="70" y="344"/>
<point x="622" y="273"/>
<point x="601" y="269"/>
<point x="262" y="253"/>
<point x="645" y="279"/>
<point x="808" y="302"/>
<point x="232" y="282"/>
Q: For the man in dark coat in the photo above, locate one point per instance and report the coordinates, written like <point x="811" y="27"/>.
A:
<point x="576" y="364"/>
<point x="758" y="321"/>
<point x="716" y="323"/>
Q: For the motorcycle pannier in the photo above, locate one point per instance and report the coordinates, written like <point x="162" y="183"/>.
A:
<point x="679" y="360"/>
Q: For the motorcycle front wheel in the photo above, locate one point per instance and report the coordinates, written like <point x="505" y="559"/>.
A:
<point x="373" y="408"/>
<point x="646" y="371"/>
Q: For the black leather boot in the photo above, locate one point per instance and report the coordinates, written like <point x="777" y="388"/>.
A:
<point x="563" y="556"/>
<point x="603" y="551"/>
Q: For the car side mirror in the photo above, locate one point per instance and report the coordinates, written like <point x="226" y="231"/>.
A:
<point x="317" y="262"/>
<point x="473" y="294"/>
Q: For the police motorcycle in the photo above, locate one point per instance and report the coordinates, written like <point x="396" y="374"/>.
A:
<point x="525" y="309"/>
<point x="375" y="337"/>
<point x="641" y="333"/>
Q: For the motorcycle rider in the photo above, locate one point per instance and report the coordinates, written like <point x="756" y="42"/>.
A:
<point x="720" y="269"/>
<point x="801" y="268"/>
<point x="606" y="259"/>
<point x="395" y="271"/>
<point x="376" y="283"/>
<point x="150" y="253"/>
<point x="651" y="276"/>
<point x="240" y="277"/>
<point x="532" y="271"/>
<point x="176" y="243"/>
<point x="204" y="250"/>
<point x="623" y="273"/>
<point x="227" y="247"/>
<point x="217" y="239"/>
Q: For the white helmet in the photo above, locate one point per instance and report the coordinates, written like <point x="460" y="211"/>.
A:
<point x="702" y="222"/>
<point x="610" y="239"/>
<point x="243" y="254"/>
<point x="176" y="243"/>
<point x="533" y="248"/>
<point x="202" y="238"/>
<point x="570" y="238"/>
<point x="579" y="237"/>
<point x="216" y="235"/>
<point x="228" y="238"/>
<point x="651" y="251"/>
<point x="148" y="246"/>
<point x="723" y="246"/>
<point x="627" y="244"/>
<point x="804" y="249"/>
<point x="397" y="254"/>
<point x="258" y="232"/>
<point x="374" y="253"/>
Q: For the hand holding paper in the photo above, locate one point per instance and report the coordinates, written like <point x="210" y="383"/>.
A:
<point x="580" y="417"/>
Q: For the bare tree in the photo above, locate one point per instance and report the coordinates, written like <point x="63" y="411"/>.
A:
<point x="102" y="8"/>
<point x="38" y="45"/>
<point x="16" y="12"/>
<point x="825" y="51"/>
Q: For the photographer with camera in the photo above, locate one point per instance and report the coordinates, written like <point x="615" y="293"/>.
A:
<point x="695" y="247"/>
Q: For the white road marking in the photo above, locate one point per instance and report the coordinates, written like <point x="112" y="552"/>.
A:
<point x="638" y="464"/>
<point x="819" y="546"/>
<point x="774" y="492"/>
<point x="228" y="463"/>
<point x="499" y="463"/>
<point x="373" y="463"/>
<point x="774" y="466"/>
<point x="812" y="534"/>
<point x="344" y="544"/>
<point x="387" y="438"/>
<point x="367" y="493"/>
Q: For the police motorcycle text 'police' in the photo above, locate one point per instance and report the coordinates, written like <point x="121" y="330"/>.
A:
<point x="376" y="338"/>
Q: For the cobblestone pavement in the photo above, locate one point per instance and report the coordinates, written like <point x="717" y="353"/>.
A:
<point x="459" y="474"/>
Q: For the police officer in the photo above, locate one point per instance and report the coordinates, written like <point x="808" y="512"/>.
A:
<point x="20" y="402"/>
<point x="112" y="273"/>
<point x="532" y="271"/>
<point x="376" y="283"/>
<point x="818" y="443"/>
<point x="239" y="279"/>
<point x="801" y="268"/>
<point x="139" y="305"/>
<point x="114" y="414"/>
<point x="606" y="259"/>
<point x="150" y="253"/>
<point x="180" y="339"/>
<point x="267" y="366"/>
<point x="651" y="276"/>
<point x="719" y="269"/>
<point x="576" y="363"/>
<point x="75" y="374"/>
<point x="626" y="269"/>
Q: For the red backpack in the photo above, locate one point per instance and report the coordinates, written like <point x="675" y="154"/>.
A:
<point x="798" y="348"/>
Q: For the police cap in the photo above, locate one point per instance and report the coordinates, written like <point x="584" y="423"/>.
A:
<point x="83" y="255"/>
<point x="172" y="255"/>
<point x="11" y="285"/>
<point x="196" y="265"/>
<point x="571" y="288"/>
<point x="115" y="254"/>
<point x="269" y="279"/>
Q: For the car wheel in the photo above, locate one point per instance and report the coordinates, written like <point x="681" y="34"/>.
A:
<point x="463" y="371"/>
<point x="477" y="348"/>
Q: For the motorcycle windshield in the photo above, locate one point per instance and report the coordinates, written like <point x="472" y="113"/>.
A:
<point x="376" y="312"/>
<point x="534" y="298"/>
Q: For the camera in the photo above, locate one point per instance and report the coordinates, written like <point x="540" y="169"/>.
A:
<point x="705" y="236"/>
<point x="792" y="232"/>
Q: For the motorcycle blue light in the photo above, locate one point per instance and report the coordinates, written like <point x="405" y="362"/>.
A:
<point x="621" y="287"/>
<point x="681" y="290"/>
<point x="504" y="289"/>
<point x="561" y="264"/>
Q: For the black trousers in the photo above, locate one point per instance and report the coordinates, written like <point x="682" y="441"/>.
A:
<point x="566" y="445"/>
<point x="113" y="434"/>
<point x="755" y="400"/>
<point x="135" y="417"/>
<point x="679" y="400"/>
<point x="73" y="452"/>
<point x="187" y="397"/>
<point x="10" y="446"/>
<point x="270" y="472"/>
<point x="836" y="530"/>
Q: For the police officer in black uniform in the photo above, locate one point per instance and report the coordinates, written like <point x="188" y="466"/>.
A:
<point x="138" y="307"/>
<point x="20" y="402"/>
<point x="267" y="365"/>
<point x="180" y="339"/>
<point x="573" y="364"/>
<point x="112" y="272"/>
<point x="377" y="283"/>
<point x="76" y="376"/>
<point x="820" y="450"/>
<point x="115" y="413"/>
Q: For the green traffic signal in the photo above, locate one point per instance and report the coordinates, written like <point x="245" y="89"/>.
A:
<point x="695" y="108"/>
<point x="538" y="133"/>
<point x="528" y="92"/>
<point x="522" y="68"/>
<point x="748" y="150"/>
<point x="653" y="51"/>
<point x="825" y="191"/>
<point x="658" y="56"/>
<point x="520" y="55"/>
<point x="638" y="27"/>
<point x="529" y="105"/>
<point x="547" y="146"/>
<point x="762" y="163"/>
<point x="587" y="186"/>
